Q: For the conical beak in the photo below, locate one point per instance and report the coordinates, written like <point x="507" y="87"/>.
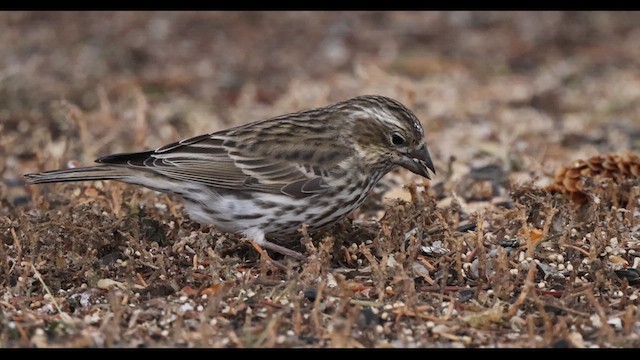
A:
<point x="418" y="161"/>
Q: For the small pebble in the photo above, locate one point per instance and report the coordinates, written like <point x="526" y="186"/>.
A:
<point x="614" y="241"/>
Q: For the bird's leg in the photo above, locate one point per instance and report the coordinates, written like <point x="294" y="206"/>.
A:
<point x="259" y="242"/>
<point x="276" y="248"/>
<point x="283" y="250"/>
<point x="265" y="257"/>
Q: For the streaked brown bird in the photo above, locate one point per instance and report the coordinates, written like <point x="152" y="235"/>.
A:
<point x="267" y="178"/>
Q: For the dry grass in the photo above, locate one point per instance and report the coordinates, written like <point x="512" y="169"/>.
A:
<point x="486" y="255"/>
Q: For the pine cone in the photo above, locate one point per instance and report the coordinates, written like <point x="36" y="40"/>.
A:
<point x="572" y="180"/>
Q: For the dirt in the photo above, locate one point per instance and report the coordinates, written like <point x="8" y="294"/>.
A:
<point x="490" y="253"/>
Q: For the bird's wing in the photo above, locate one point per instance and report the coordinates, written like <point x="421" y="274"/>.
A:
<point x="275" y="161"/>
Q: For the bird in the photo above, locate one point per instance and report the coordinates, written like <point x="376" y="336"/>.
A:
<point x="267" y="178"/>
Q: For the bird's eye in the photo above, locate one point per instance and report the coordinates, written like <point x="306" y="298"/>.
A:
<point x="397" y="139"/>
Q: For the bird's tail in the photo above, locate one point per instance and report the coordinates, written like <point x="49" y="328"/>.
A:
<point x="100" y="172"/>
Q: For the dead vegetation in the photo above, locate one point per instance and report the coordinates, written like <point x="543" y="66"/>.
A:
<point x="513" y="244"/>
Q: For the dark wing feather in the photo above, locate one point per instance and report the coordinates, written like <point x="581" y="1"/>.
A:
<point x="271" y="164"/>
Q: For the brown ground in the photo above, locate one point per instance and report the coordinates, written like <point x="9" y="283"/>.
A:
<point x="487" y="256"/>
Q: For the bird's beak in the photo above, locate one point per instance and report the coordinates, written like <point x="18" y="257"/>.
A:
<point x="418" y="161"/>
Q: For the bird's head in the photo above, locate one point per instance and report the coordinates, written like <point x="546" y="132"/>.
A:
<point x="386" y="131"/>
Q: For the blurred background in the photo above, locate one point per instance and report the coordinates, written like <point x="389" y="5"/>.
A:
<point x="506" y="99"/>
<point x="525" y="90"/>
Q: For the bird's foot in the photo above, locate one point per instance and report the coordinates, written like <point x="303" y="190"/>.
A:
<point x="277" y="248"/>
<point x="284" y="251"/>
